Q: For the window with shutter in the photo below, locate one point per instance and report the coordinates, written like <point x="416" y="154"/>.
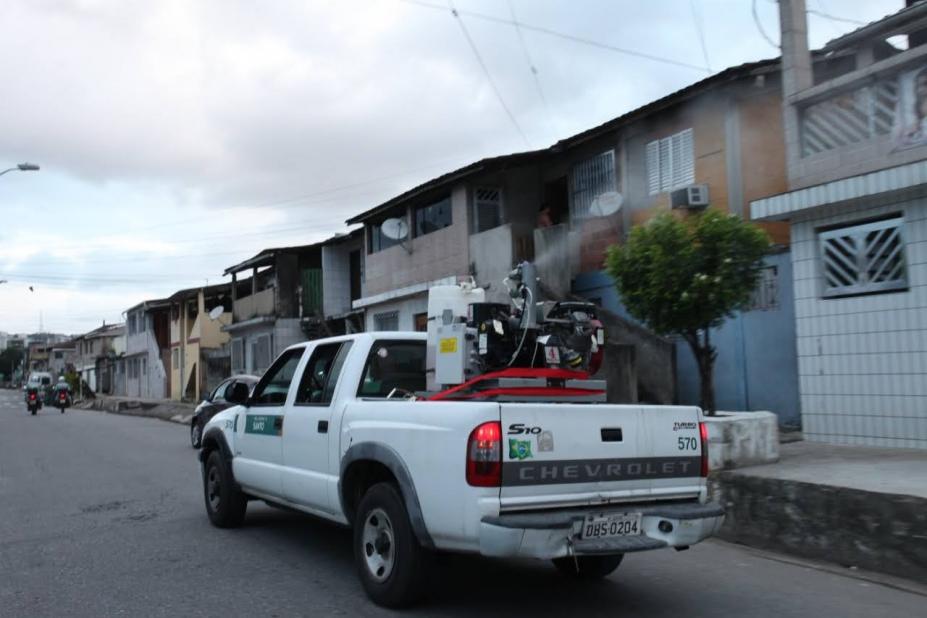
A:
<point x="487" y="208"/>
<point x="670" y="162"/>
<point x="863" y="258"/>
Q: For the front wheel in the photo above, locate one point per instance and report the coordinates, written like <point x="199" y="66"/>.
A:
<point x="196" y="434"/>
<point x="390" y="562"/>
<point x="225" y="502"/>
<point x="588" y="567"/>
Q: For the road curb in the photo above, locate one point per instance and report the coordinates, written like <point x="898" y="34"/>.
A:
<point x="172" y="411"/>
<point x="853" y="528"/>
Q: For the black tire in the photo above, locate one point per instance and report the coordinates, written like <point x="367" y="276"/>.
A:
<point x="33" y="410"/>
<point x="590" y="567"/>
<point x="401" y="579"/>
<point x="196" y="434"/>
<point x="225" y="502"/>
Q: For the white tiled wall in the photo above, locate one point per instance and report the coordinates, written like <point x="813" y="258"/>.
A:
<point x="862" y="360"/>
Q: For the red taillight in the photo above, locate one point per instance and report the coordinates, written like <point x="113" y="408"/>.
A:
<point x="62" y="396"/>
<point x="703" y="432"/>
<point x="32" y="396"/>
<point x="484" y="455"/>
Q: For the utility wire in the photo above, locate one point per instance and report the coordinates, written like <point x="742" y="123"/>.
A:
<point x="699" y="28"/>
<point x="531" y="65"/>
<point x="492" y="83"/>
<point x="562" y="35"/>
<point x="759" y="26"/>
<point x="845" y="20"/>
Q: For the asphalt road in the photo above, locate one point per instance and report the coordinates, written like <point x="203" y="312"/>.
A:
<point x="102" y="515"/>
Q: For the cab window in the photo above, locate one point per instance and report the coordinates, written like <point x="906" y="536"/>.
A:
<point x="273" y="387"/>
<point x="393" y="364"/>
<point x="218" y="395"/>
<point x="317" y="386"/>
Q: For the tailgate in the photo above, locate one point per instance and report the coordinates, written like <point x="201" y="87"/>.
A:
<point x="559" y="454"/>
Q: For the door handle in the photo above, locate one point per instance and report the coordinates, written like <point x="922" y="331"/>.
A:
<point x="611" y="434"/>
<point x="278" y="425"/>
<point x="323" y="426"/>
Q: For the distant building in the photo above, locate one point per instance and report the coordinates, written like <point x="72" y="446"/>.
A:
<point x="148" y="350"/>
<point x="200" y="355"/>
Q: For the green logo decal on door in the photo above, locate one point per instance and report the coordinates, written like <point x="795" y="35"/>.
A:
<point x="264" y="424"/>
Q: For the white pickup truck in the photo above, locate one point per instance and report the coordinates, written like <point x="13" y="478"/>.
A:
<point x="581" y="484"/>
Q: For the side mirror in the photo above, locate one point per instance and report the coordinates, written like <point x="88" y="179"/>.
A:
<point x="237" y="393"/>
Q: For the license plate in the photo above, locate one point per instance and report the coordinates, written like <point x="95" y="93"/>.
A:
<point x="605" y="526"/>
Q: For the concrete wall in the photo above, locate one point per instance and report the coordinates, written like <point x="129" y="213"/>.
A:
<point x="336" y="273"/>
<point x="407" y="308"/>
<point x="433" y="256"/>
<point x="757" y="364"/>
<point x="862" y="360"/>
<point x="492" y="254"/>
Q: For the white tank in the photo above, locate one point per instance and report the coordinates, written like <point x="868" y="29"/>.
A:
<point x="441" y="298"/>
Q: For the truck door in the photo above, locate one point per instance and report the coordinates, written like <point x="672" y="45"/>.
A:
<point x="307" y="441"/>
<point x="258" y="443"/>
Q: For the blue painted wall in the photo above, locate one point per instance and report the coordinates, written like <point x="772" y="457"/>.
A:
<point x="757" y="364"/>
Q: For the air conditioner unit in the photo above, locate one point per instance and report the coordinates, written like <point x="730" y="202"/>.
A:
<point x="693" y="196"/>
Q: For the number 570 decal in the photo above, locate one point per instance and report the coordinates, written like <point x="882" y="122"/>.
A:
<point x="687" y="444"/>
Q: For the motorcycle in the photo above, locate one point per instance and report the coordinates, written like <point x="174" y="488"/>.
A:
<point x="33" y="401"/>
<point x="62" y="400"/>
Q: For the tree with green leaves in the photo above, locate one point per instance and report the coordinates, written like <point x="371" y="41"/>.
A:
<point x="685" y="276"/>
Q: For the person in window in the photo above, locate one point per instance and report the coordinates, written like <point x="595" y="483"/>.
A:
<point x="545" y="216"/>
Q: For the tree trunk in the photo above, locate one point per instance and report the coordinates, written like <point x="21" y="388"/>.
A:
<point x="705" y="358"/>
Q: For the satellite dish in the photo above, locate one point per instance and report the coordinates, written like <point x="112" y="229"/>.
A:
<point x="395" y="228"/>
<point x="215" y="312"/>
<point x="606" y="204"/>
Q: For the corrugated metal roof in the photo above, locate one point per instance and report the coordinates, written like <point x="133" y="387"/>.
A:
<point x="885" y="25"/>
<point x="785" y="205"/>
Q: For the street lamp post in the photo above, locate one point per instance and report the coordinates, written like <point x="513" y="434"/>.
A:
<point x="22" y="167"/>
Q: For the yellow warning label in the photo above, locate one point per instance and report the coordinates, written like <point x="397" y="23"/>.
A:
<point x="448" y="345"/>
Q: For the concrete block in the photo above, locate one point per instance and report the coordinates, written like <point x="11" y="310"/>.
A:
<point x="739" y="439"/>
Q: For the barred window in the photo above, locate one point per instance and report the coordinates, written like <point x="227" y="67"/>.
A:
<point x="238" y="356"/>
<point x="388" y="320"/>
<point x="864" y="258"/>
<point x="487" y="208"/>
<point x="671" y="162"/>
<point x="766" y="295"/>
<point x="588" y="180"/>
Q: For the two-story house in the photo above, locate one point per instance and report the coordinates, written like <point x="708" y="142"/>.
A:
<point x="293" y="294"/>
<point x="99" y="355"/>
<point x="857" y="183"/>
<point x="717" y="143"/>
<point x="200" y="356"/>
<point x="148" y="350"/>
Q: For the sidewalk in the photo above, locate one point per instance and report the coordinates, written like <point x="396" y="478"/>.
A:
<point x="165" y="409"/>
<point x="855" y="506"/>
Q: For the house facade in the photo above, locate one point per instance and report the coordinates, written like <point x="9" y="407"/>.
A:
<point x="293" y="294"/>
<point x="98" y="359"/>
<point x="200" y="355"/>
<point x="148" y="350"/>
<point x="857" y="203"/>
<point x="563" y="206"/>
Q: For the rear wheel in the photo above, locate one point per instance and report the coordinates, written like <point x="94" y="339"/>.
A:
<point x="33" y="410"/>
<point x="389" y="560"/>
<point x="588" y="567"/>
<point x="225" y="502"/>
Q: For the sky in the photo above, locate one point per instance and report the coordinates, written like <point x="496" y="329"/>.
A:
<point x="179" y="137"/>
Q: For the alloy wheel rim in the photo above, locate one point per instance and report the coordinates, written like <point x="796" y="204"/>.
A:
<point x="379" y="545"/>
<point x="212" y="488"/>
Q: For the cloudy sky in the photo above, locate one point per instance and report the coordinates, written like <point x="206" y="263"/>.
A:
<point x="179" y="137"/>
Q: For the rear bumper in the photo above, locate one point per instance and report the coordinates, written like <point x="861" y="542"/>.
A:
<point x="556" y="534"/>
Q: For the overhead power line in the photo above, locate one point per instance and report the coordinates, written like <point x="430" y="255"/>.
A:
<point x="531" y="65"/>
<point x="699" y="29"/>
<point x="562" y="35"/>
<point x="492" y="83"/>
<point x="759" y="26"/>
<point x="845" y="20"/>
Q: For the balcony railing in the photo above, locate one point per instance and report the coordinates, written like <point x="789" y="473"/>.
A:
<point x="850" y="117"/>
<point x="255" y="305"/>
